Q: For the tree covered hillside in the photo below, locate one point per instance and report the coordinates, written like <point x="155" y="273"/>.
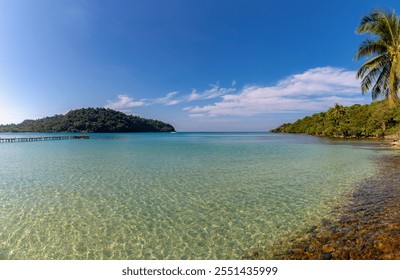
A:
<point x="90" y="120"/>
<point x="377" y="119"/>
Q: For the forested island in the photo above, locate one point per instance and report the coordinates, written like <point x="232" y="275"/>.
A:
<point x="377" y="119"/>
<point x="90" y="120"/>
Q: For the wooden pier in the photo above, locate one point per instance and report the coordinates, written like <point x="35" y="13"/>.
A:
<point x="45" y="138"/>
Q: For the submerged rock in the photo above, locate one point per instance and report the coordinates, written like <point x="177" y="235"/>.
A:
<point x="367" y="228"/>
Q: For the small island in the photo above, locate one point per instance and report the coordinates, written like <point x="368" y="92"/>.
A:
<point x="90" y="120"/>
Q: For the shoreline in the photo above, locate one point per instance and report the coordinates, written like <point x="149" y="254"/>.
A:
<point x="366" y="227"/>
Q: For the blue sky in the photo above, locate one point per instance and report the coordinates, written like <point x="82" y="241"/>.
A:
<point x="200" y="65"/>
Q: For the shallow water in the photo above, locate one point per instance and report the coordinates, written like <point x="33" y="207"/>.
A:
<point x="170" y="196"/>
<point x="366" y="228"/>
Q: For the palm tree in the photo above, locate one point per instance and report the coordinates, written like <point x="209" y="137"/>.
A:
<point x="337" y="111"/>
<point x="380" y="73"/>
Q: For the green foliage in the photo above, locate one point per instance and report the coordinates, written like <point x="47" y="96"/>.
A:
<point x="90" y="120"/>
<point x="377" y="119"/>
<point x="381" y="73"/>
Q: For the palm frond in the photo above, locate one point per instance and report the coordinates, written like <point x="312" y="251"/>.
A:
<point x="368" y="22"/>
<point x="369" y="48"/>
<point x="375" y="62"/>
<point x="369" y="79"/>
<point x="380" y="89"/>
<point x="381" y="73"/>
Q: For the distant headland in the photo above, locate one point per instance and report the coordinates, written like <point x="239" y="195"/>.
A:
<point x="90" y="120"/>
<point x="375" y="120"/>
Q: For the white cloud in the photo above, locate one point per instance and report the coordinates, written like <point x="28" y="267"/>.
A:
<point x="320" y="81"/>
<point x="214" y="92"/>
<point x="124" y="103"/>
<point x="314" y="90"/>
<point x="172" y="98"/>
<point x="168" y="99"/>
<point x="198" y="115"/>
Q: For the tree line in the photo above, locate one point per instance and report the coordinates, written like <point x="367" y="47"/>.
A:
<point x="377" y="119"/>
<point x="90" y="120"/>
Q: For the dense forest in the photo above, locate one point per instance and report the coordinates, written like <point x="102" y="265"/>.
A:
<point x="90" y="120"/>
<point x="377" y="119"/>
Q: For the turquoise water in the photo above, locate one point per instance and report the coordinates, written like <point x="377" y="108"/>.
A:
<point x="169" y="196"/>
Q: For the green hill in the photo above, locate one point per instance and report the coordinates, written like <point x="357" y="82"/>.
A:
<point x="358" y="121"/>
<point x="90" y="120"/>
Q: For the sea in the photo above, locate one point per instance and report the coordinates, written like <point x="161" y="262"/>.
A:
<point x="145" y="196"/>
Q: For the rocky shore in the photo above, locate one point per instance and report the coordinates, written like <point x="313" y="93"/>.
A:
<point x="366" y="228"/>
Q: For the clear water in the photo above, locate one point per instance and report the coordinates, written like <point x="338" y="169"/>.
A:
<point x="169" y="196"/>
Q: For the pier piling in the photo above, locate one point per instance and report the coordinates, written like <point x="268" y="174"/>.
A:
<point x="46" y="138"/>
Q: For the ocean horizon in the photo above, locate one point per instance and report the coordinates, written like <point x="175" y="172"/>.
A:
<point x="184" y="195"/>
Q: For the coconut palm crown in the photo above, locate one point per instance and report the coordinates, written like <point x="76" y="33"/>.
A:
<point x="381" y="72"/>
